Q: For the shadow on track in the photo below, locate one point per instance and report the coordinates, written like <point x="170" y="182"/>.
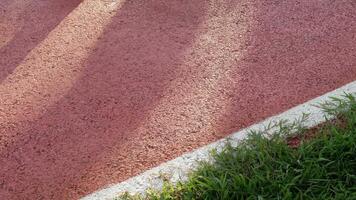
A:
<point x="89" y="138"/>
<point x="137" y="56"/>
<point x="295" y="52"/>
<point x="36" y="21"/>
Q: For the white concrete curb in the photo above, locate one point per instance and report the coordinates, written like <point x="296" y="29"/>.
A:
<point x="178" y="168"/>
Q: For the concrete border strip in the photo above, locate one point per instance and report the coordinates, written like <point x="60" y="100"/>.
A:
<point x="178" y="168"/>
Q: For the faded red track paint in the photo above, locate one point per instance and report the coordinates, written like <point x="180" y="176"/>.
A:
<point x="163" y="79"/>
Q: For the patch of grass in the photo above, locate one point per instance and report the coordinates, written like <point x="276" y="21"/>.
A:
<point x="268" y="168"/>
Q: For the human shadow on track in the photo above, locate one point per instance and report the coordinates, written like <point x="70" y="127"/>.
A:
<point x="36" y="19"/>
<point x="295" y="51"/>
<point x="87" y="140"/>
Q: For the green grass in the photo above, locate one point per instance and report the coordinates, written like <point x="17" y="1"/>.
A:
<point x="320" y="168"/>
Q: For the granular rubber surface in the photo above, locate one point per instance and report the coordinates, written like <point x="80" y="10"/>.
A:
<point x="93" y="92"/>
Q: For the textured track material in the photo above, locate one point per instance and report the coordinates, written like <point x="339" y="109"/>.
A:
<point x="179" y="168"/>
<point x="93" y="92"/>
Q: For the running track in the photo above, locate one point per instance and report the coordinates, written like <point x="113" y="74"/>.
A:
<point x="93" y="92"/>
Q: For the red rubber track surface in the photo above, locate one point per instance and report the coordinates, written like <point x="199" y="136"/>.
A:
<point x="163" y="78"/>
